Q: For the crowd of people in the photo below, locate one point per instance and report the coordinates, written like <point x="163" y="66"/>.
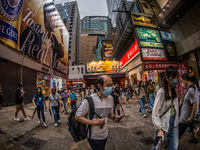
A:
<point x="171" y="117"/>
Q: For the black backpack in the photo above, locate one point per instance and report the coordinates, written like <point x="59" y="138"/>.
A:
<point x="77" y="129"/>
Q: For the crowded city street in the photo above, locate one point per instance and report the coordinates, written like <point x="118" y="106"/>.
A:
<point x="99" y="74"/>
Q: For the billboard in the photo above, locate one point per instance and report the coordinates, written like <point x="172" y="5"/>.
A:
<point x="153" y="54"/>
<point x="149" y="38"/>
<point x="76" y="72"/>
<point x="143" y="19"/>
<point x="35" y="28"/>
<point x="103" y="66"/>
<point x="166" y="35"/>
<point x="108" y="50"/>
<point x="130" y="54"/>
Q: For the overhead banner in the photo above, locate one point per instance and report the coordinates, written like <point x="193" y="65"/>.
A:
<point x="35" y="28"/>
<point x="130" y="54"/>
<point x="160" y="66"/>
<point x="76" y="72"/>
<point x="149" y="38"/>
<point x="153" y="54"/>
<point x="141" y="19"/>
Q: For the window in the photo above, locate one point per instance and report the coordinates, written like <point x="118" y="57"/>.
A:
<point x="69" y="57"/>
<point x="69" y="52"/>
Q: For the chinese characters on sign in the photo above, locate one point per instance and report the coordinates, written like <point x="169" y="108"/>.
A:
<point x="158" y="66"/>
<point x="131" y="53"/>
<point x="182" y="68"/>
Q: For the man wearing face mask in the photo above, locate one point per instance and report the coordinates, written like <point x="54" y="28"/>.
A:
<point x="188" y="108"/>
<point x="103" y="103"/>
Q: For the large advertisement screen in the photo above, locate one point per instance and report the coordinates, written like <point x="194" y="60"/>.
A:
<point x="35" y="28"/>
<point x="103" y="66"/>
<point x="108" y="50"/>
<point x="149" y="38"/>
<point x="76" y="72"/>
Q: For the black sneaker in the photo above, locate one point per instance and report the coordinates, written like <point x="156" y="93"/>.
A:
<point x="194" y="140"/>
<point x="196" y="122"/>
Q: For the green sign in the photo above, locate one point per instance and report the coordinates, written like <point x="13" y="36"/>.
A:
<point x="149" y="38"/>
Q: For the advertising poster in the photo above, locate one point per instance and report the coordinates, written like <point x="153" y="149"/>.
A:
<point x="143" y="19"/>
<point x="76" y="72"/>
<point x="108" y="50"/>
<point x="150" y="7"/>
<point x="166" y="35"/>
<point x="152" y="54"/>
<point x="102" y="66"/>
<point x="130" y="54"/>
<point x="149" y="38"/>
<point x="35" y="28"/>
<point x="10" y="22"/>
<point x="151" y="75"/>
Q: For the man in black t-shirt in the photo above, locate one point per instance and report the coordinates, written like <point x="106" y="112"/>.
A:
<point x="19" y="98"/>
<point x="115" y="94"/>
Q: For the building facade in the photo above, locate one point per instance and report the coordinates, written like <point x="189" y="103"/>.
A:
<point x="69" y="13"/>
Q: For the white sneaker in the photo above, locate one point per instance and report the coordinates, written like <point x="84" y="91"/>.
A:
<point x="45" y="124"/>
<point x="59" y="121"/>
<point x="27" y="118"/>
<point x="56" y="124"/>
<point x="17" y="119"/>
<point x="144" y="116"/>
<point x="39" y="122"/>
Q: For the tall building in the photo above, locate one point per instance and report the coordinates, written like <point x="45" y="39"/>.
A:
<point x="69" y="13"/>
<point x="94" y="26"/>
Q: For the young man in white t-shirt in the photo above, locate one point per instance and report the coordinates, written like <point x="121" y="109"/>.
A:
<point x="103" y="103"/>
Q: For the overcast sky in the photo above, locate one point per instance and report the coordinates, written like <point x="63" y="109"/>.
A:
<point x="89" y="7"/>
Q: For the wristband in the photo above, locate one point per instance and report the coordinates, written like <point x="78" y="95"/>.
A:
<point x="113" y="118"/>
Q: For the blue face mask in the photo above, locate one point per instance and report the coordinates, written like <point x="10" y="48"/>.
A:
<point x="107" y="91"/>
<point x="173" y="83"/>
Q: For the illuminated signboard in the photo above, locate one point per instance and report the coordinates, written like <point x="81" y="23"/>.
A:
<point x="131" y="53"/>
<point x="99" y="66"/>
<point x="149" y="38"/>
<point x="153" y="54"/>
<point x="166" y="36"/>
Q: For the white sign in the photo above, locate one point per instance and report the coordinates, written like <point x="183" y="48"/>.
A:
<point x="153" y="54"/>
<point x="166" y="36"/>
<point x="76" y="72"/>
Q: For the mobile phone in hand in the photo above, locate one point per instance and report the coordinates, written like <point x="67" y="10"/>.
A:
<point x="120" y="117"/>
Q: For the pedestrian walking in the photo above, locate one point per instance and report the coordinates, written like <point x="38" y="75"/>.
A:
<point x="121" y="91"/>
<point x="141" y="98"/>
<point x="165" y="113"/>
<point x="115" y="95"/>
<point x="19" y="102"/>
<point x="103" y="103"/>
<point x="55" y="105"/>
<point x="64" y="98"/>
<point x="150" y="94"/>
<point x="72" y="97"/>
<point x="188" y="108"/>
<point x="1" y="97"/>
<point x="40" y="104"/>
<point x="127" y="93"/>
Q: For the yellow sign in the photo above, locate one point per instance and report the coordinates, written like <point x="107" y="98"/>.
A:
<point x="99" y="66"/>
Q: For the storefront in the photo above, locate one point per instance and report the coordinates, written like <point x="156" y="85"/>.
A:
<point x="58" y="81"/>
<point x="43" y="81"/>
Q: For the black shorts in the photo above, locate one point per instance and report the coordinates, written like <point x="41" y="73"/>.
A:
<point x="97" y="144"/>
<point x="183" y="126"/>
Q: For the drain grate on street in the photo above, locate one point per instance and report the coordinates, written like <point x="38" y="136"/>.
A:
<point x="34" y="143"/>
<point x="147" y="141"/>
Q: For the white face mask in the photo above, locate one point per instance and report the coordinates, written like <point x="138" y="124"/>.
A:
<point x="184" y="85"/>
<point x="38" y="91"/>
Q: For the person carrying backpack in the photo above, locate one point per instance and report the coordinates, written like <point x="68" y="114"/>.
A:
<point x="39" y="103"/>
<point x="103" y="107"/>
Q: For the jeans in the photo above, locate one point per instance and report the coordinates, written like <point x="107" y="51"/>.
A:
<point x="97" y="144"/>
<point x="65" y="103"/>
<point x="122" y="96"/>
<point x="127" y="96"/>
<point x="142" y="105"/>
<point x="41" y="109"/>
<point x="172" y="136"/>
<point x="151" y="101"/>
<point x="56" y="113"/>
<point x="73" y="105"/>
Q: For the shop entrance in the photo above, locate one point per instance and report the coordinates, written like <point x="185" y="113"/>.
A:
<point x="134" y="78"/>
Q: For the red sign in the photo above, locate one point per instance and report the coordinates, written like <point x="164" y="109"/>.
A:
<point x="131" y="53"/>
<point x="158" y="66"/>
<point x="182" y="68"/>
<point x="151" y="75"/>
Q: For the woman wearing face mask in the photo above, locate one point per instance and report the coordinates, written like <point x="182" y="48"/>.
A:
<point x="141" y="98"/>
<point x="150" y="94"/>
<point x="39" y="103"/>
<point x="165" y="112"/>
